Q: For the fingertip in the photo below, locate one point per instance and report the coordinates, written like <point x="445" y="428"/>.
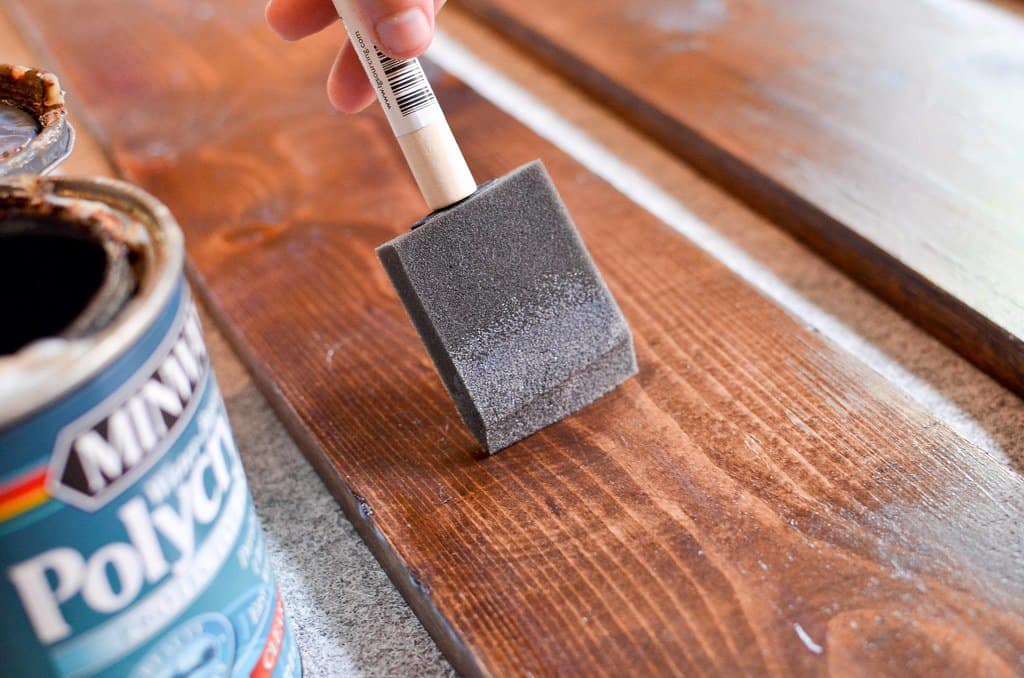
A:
<point x="272" y="15"/>
<point x="348" y="90"/>
<point x="344" y="100"/>
<point x="296" y="19"/>
<point x="403" y="29"/>
<point x="407" y="33"/>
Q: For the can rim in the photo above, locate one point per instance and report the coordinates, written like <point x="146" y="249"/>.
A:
<point x="56" y="138"/>
<point x="45" y="152"/>
<point x="156" y="288"/>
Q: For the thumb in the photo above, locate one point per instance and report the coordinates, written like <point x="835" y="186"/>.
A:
<point x="402" y="28"/>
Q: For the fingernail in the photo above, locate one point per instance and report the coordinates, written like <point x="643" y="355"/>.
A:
<point x="404" y="32"/>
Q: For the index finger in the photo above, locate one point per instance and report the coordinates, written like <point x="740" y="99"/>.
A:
<point x="295" y="19"/>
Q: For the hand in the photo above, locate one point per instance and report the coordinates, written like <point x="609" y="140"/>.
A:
<point x="402" y="28"/>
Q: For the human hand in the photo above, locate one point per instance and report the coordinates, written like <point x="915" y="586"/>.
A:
<point x="402" y="28"/>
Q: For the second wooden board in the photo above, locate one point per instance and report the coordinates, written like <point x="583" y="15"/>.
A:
<point x="887" y="135"/>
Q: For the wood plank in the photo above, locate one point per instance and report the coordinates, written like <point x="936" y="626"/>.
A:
<point x="754" y="501"/>
<point x="885" y="135"/>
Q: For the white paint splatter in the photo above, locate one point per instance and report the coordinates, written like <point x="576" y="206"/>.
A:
<point x="806" y="639"/>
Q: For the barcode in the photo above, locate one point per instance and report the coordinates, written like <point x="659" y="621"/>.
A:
<point x="409" y="85"/>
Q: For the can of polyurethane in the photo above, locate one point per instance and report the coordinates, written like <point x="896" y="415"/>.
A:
<point x="35" y="135"/>
<point x="128" y="541"/>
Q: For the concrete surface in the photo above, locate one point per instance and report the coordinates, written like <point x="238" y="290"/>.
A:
<point x="347" y="617"/>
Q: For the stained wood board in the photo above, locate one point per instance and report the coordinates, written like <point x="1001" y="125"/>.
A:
<point x="885" y="135"/>
<point x="754" y="501"/>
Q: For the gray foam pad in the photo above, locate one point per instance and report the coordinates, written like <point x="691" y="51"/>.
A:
<point x="510" y="306"/>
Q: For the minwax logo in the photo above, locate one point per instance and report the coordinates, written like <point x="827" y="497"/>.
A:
<point x="103" y="452"/>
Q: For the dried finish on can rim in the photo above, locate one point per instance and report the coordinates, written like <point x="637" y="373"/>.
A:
<point x="69" y="263"/>
<point x="39" y="94"/>
<point x="32" y="90"/>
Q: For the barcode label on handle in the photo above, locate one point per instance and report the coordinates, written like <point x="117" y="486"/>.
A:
<point x="402" y="87"/>
<point x="408" y="83"/>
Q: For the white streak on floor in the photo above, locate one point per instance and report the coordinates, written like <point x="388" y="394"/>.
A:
<point x="811" y="645"/>
<point x="547" y="123"/>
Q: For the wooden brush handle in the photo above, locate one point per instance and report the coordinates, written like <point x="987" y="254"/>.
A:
<point x="416" y="117"/>
<point x="437" y="164"/>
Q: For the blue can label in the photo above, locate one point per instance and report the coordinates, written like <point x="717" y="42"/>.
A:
<point x="128" y="540"/>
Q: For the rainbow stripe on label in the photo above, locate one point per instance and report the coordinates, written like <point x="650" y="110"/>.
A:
<point x="23" y="492"/>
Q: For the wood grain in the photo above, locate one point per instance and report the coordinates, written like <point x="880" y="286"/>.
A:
<point x="887" y="136"/>
<point x="755" y="501"/>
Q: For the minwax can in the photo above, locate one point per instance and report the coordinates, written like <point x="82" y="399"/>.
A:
<point x="128" y="541"/>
